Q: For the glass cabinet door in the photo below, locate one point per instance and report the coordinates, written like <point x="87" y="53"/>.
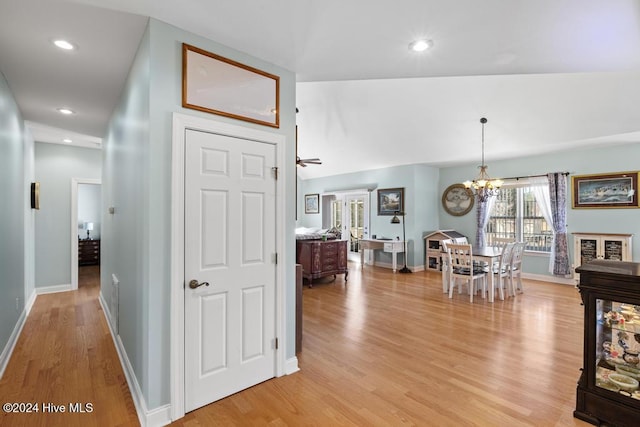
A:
<point x="613" y="249"/>
<point x="618" y="348"/>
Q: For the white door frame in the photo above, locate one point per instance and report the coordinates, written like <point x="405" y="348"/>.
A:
<point x="182" y="122"/>
<point x="74" y="226"/>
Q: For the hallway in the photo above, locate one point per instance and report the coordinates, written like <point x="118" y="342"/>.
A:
<point x="65" y="359"/>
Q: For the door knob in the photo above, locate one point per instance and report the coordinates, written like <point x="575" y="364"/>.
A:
<point x="195" y="284"/>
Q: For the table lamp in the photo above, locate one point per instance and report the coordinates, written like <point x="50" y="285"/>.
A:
<point x="89" y="227"/>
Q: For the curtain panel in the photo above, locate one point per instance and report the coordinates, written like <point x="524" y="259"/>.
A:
<point x="558" y="199"/>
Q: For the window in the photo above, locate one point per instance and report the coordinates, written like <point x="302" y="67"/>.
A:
<point x="515" y="214"/>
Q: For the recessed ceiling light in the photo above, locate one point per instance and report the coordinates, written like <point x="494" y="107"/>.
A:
<point x="65" y="111"/>
<point x="63" y="44"/>
<point x="67" y="140"/>
<point x="420" y="45"/>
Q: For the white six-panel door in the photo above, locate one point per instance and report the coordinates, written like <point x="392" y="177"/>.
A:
<point x="230" y="193"/>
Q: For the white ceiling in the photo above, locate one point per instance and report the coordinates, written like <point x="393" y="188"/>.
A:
<point x="549" y="75"/>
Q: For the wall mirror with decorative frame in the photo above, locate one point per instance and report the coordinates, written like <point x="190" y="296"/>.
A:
<point x="218" y="85"/>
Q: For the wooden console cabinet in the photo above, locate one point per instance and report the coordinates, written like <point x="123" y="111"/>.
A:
<point x="321" y="258"/>
<point x="88" y="252"/>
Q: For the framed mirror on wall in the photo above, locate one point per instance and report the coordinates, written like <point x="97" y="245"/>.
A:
<point x="214" y="84"/>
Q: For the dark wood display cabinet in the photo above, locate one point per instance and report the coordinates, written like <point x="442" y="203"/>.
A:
<point x="608" y="390"/>
<point x="88" y="252"/>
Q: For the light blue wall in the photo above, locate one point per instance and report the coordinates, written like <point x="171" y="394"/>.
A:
<point x="420" y="191"/>
<point x="124" y="233"/>
<point x="613" y="158"/>
<point x="55" y="166"/>
<point x="15" y="214"/>
<point x="137" y="182"/>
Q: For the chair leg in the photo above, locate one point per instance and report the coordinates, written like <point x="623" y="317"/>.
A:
<point x="512" y="291"/>
<point x="446" y="278"/>
<point x="520" y="288"/>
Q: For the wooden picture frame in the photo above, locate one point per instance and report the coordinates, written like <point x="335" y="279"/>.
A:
<point x="457" y="200"/>
<point x="390" y="201"/>
<point x="214" y="84"/>
<point x="312" y="203"/>
<point x="611" y="190"/>
<point x="35" y="195"/>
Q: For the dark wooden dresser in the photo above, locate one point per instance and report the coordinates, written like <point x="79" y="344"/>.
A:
<point x="88" y="252"/>
<point x="320" y="258"/>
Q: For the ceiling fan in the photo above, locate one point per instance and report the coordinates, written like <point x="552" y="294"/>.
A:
<point x="304" y="162"/>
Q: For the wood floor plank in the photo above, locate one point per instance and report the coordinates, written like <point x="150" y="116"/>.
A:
<point x="383" y="349"/>
<point x="64" y="356"/>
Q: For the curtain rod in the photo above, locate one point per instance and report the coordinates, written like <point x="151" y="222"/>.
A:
<point x="532" y="176"/>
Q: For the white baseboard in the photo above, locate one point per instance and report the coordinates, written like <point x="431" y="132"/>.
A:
<point x="291" y="366"/>
<point x="52" y="289"/>
<point x="29" y="305"/>
<point x="160" y="416"/>
<point x="552" y="279"/>
<point x="5" y="356"/>
<point x="389" y="265"/>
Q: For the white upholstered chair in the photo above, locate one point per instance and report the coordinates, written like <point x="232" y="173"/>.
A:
<point x="462" y="270"/>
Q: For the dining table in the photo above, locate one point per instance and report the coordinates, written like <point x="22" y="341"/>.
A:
<point x="488" y="254"/>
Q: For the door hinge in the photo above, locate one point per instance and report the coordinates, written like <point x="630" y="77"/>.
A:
<point x="276" y="342"/>
<point x="275" y="172"/>
<point x="275" y="257"/>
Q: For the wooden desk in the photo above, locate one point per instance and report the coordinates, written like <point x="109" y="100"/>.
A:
<point x="391" y="246"/>
<point x="488" y="254"/>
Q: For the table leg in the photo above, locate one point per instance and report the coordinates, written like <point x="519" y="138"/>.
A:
<point x="362" y="258"/>
<point x="492" y="284"/>
<point x="395" y="261"/>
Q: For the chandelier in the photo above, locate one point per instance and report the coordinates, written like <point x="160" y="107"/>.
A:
<point x="483" y="186"/>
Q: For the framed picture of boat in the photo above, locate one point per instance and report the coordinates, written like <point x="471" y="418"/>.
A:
<point x="612" y="190"/>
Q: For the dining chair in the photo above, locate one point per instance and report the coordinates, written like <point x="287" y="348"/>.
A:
<point x="516" y="267"/>
<point x="461" y="267"/>
<point x="446" y="277"/>
<point x="502" y="241"/>
<point x="502" y="272"/>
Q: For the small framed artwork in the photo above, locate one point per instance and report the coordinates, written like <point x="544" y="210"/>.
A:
<point x="312" y="203"/>
<point x="219" y="85"/>
<point x="390" y="201"/>
<point x="457" y="200"/>
<point x="612" y="190"/>
<point x="35" y="195"/>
